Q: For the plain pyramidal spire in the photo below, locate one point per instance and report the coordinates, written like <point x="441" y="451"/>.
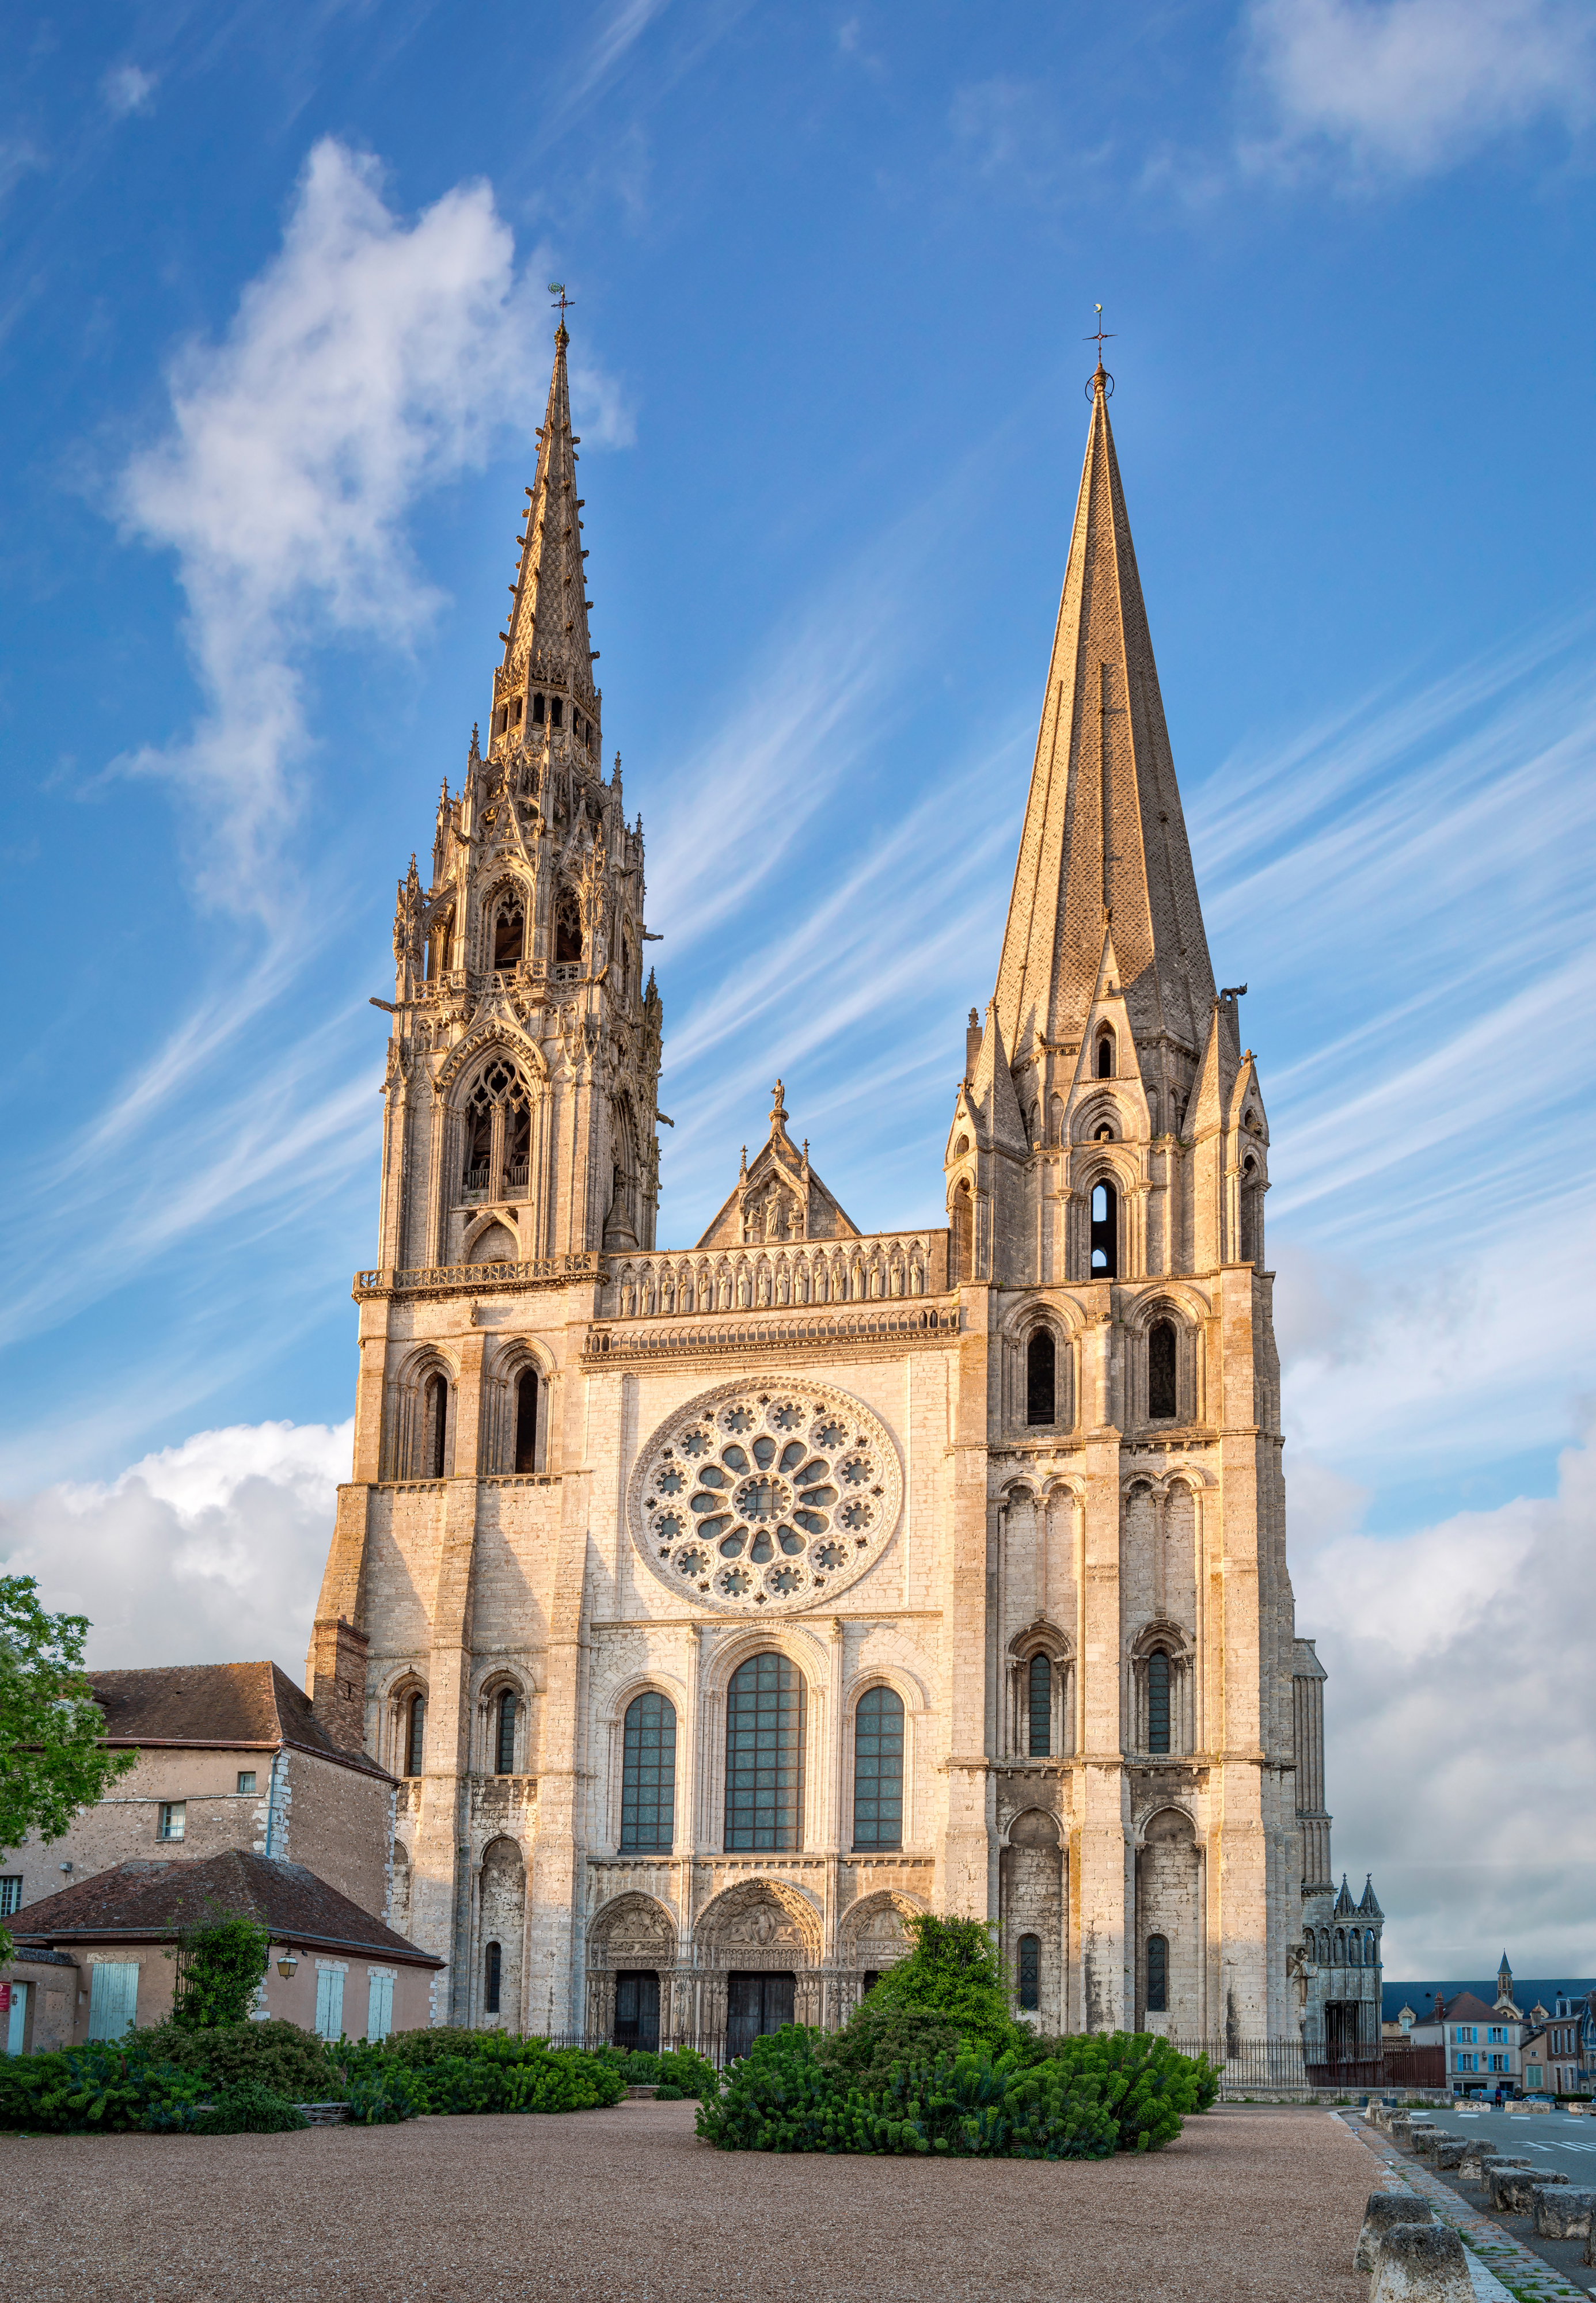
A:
<point x="1104" y="839"/>
<point x="548" y="622"/>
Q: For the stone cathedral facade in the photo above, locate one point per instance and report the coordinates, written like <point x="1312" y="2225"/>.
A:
<point x="722" y="1603"/>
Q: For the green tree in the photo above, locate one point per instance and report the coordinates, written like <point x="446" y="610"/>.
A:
<point x="952" y="1971"/>
<point x="51" y="1759"/>
<point x="218" y="1967"/>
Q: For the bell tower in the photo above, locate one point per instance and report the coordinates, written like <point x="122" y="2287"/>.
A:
<point x="524" y="1060"/>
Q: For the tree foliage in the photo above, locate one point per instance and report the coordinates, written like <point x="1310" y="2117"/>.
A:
<point x="51" y="1760"/>
<point x="952" y="1971"/>
<point x="219" y="1966"/>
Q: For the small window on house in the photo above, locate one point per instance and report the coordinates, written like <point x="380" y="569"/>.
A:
<point x="415" y="1741"/>
<point x="1105" y="1056"/>
<point x="172" y="1818"/>
<point x="1158" y="1700"/>
<point x="568" y="925"/>
<point x="504" y="1736"/>
<point x="1030" y="1972"/>
<point x="435" y="1427"/>
<point x="494" y="1967"/>
<point x="1161" y="1368"/>
<point x="11" y="1895"/>
<point x="246" y="1779"/>
<point x="525" y="1420"/>
<point x="1040" y="1373"/>
<point x="1105" y="1232"/>
<point x="1158" y="1975"/>
<point x="1039" y="1692"/>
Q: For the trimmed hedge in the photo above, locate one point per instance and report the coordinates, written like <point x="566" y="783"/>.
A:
<point x="98" y="2090"/>
<point x="1072" y="2098"/>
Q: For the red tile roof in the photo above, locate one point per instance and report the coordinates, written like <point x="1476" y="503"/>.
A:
<point x="243" y="1707"/>
<point x="152" y="1903"/>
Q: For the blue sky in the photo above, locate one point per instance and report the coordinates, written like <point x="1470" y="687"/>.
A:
<point x="273" y="336"/>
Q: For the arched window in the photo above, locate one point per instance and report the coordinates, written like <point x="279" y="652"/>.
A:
<point x="1039" y="1694"/>
<point x="518" y="1143"/>
<point x="500" y="1085"/>
<point x="434" y="1427"/>
<point x="1030" y="1972"/>
<point x="568" y="925"/>
<point x="1105" y="1231"/>
<point x="526" y="1419"/>
<point x="504" y="1735"/>
<point x="1161" y="1368"/>
<point x="764" y="1755"/>
<point x="510" y="932"/>
<point x="878" y="1769"/>
<point x="964" y="1232"/>
<point x="1251" y="1208"/>
<point x="1158" y="1975"/>
<point x="414" y="1735"/>
<point x="649" y="1774"/>
<point x="1105" y="1056"/>
<point x="494" y="1967"/>
<point x="1041" y="1376"/>
<point x="1158" y="1700"/>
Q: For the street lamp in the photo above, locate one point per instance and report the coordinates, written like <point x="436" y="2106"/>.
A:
<point x="287" y="1964"/>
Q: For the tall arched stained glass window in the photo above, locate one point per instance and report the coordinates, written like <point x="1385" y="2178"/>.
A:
<point x="504" y="1736"/>
<point x="1161" y="1369"/>
<point x="416" y="1735"/>
<point x="1040" y="1691"/>
<point x="1041" y="1376"/>
<point x="764" y="1755"/>
<point x="1158" y="1700"/>
<point x="1158" y="1975"/>
<point x="878" y="1769"/>
<point x="649" y="1774"/>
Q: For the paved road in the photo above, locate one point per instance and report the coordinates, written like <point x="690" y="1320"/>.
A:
<point x="1554" y="2138"/>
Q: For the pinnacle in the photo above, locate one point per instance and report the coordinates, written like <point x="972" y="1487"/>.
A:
<point x="1104" y="836"/>
<point x="548" y="622"/>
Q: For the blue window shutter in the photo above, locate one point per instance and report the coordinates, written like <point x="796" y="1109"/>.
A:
<point x="112" y="1998"/>
<point x="379" y="2006"/>
<point x="329" y="2002"/>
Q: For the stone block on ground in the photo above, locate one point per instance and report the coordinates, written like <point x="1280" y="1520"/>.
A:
<point x="1421" y="2263"/>
<point x="1425" y="2135"/>
<point x="1562" y="2212"/>
<point x="1397" y="2125"/>
<point x="1385" y="2211"/>
<point x="1451" y="2150"/>
<point x="1513" y="2188"/>
<point x="1479" y="2157"/>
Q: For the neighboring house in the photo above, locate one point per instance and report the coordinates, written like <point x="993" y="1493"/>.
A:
<point x="39" y="1993"/>
<point x="1557" y="2054"/>
<point x="346" y="1973"/>
<point x="231" y="1755"/>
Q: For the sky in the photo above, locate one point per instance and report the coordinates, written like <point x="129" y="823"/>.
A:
<point x="275" y="335"/>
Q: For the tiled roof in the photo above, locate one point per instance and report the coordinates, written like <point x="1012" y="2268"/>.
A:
<point x="217" y="1706"/>
<point x="154" y="1901"/>
<point x="1466" y="2009"/>
<point x="1527" y="1991"/>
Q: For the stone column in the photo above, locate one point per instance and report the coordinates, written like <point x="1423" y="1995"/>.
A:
<point x="1103" y="1796"/>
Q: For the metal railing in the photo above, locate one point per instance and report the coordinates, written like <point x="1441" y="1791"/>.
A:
<point x="1268" y="2064"/>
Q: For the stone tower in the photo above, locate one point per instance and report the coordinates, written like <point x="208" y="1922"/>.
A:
<point x="729" y="1603"/>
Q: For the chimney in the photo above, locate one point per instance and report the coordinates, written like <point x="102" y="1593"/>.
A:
<point x="338" y="1682"/>
<point x="972" y="1044"/>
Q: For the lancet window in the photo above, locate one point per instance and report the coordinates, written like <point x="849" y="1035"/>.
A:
<point x="1104" y="1245"/>
<point x="878" y="1769"/>
<point x="764" y="1755"/>
<point x="1158" y="1975"/>
<point x="1162" y="1395"/>
<point x="509" y="932"/>
<point x="649" y="1774"/>
<point x="1042" y="1368"/>
<point x="1039" y="1701"/>
<point x="1030" y="1973"/>
<point x="504" y="1735"/>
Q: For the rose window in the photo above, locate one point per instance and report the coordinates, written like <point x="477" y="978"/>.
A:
<point x="754" y="1500"/>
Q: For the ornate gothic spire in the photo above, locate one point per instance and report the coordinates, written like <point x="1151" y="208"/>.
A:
<point x="549" y="620"/>
<point x="1104" y="836"/>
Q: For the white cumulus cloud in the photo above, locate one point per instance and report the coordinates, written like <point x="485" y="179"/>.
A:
<point x="1409" y="87"/>
<point x="209" y="1552"/>
<point x="128" y="90"/>
<point x="371" y="360"/>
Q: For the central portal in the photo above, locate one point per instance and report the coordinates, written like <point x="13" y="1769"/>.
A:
<point x="756" y="2005"/>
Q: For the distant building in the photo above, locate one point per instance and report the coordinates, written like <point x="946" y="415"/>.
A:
<point x="231" y="1756"/>
<point x="1559" y="2054"/>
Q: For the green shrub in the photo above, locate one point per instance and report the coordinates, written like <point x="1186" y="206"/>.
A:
<point x="952" y="1971"/>
<point x="381" y="2097"/>
<point x="97" y="2089"/>
<point x="274" y="2055"/>
<point x="784" y="2097"/>
<point x="1147" y="2086"/>
<point x="881" y="2034"/>
<point x="417" y="2049"/>
<point x="561" y="2078"/>
<point x="219" y="1966"/>
<point x="249" y="2108"/>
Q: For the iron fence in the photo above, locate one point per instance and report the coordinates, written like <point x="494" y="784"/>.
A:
<point x="1271" y="2064"/>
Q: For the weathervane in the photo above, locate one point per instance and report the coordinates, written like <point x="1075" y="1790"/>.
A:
<point x="1100" y="336"/>
<point x="557" y="291"/>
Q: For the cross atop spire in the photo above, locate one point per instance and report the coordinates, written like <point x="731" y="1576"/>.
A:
<point x="1103" y="831"/>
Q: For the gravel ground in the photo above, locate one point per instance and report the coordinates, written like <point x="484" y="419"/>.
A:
<point x="1252" y="2207"/>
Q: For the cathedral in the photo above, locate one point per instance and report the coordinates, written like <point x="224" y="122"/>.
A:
<point x="719" y="1606"/>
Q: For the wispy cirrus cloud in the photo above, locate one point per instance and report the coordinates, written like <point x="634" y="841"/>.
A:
<point x="371" y="360"/>
<point x="1383" y="87"/>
